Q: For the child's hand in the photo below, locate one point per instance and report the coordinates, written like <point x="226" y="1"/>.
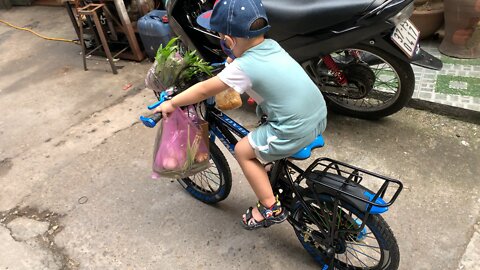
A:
<point x="166" y="108"/>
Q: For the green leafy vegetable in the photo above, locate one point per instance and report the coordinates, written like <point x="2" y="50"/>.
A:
<point x="172" y="68"/>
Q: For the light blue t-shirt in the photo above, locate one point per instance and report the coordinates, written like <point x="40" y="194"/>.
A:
<point x="282" y="89"/>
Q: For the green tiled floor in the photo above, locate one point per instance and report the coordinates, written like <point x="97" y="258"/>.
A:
<point x="456" y="85"/>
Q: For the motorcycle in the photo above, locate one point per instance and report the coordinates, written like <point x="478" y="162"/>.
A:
<point x="359" y="53"/>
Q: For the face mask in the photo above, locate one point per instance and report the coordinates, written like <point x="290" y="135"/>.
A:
<point x="226" y="50"/>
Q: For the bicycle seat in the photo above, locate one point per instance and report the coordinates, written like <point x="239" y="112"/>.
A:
<point x="306" y="152"/>
<point x="305" y="16"/>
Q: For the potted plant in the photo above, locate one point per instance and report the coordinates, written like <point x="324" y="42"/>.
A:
<point x="462" y="29"/>
<point x="427" y="16"/>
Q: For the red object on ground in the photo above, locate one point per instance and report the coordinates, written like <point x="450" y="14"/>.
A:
<point x="127" y="86"/>
<point x="251" y="101"/>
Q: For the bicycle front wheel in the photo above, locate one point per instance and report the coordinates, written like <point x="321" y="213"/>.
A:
<point x="374" y="247"/>
<point x="214" y="184"/>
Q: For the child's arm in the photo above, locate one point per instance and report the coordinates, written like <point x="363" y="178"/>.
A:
<point x="194" y="94"/>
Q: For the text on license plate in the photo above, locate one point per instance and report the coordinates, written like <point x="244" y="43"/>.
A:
<point x="406" y="37"/>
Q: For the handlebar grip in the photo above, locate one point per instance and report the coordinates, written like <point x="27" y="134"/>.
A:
<point x="156" y="117"/>
<point x="152" y="120"/>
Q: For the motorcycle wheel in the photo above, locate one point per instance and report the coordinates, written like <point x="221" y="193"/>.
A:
<point x="379" y="84"/>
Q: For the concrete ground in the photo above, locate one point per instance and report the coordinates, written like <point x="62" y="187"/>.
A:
<point x="76" y="192"/>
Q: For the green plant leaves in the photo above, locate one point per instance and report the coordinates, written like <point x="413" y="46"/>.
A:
<point x="174" y="68"/>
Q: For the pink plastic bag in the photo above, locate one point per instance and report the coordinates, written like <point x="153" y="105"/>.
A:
<point x="180" y="149"/>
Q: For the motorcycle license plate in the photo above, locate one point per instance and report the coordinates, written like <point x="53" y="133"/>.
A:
<point x="406" y="37"/>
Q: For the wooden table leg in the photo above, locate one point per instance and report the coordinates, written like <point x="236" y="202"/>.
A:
<point x="132" y="39"/>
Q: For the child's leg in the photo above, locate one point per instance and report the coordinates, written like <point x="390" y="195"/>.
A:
<point x="255" y="174"/>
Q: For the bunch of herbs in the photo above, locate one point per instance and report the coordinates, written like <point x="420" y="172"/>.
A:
<point x="173" y="68"/>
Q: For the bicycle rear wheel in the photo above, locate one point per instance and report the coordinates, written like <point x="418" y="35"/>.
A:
<point x="374" y="247"/>
<point x="214" y="184"/>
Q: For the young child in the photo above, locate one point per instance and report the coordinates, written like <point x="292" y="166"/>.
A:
<point x="295" y="109"/>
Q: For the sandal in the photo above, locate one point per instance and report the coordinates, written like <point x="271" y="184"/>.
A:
<point x="272" y="215"/>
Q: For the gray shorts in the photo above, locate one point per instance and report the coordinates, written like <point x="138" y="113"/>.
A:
<point x="268" y="146"/>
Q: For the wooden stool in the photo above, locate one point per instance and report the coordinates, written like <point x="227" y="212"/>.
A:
<point x="91" y="11"/>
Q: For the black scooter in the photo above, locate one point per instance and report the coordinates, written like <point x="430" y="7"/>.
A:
<point x="358" y="52"/>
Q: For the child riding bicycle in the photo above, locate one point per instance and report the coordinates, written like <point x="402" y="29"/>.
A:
<point x="295" y="109"/>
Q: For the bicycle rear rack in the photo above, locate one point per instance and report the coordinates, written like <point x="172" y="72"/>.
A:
<point x="356" y="184"/>
<point x="338" y="184"/>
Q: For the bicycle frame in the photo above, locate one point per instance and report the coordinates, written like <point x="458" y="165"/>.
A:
<point x="222" y="126"/>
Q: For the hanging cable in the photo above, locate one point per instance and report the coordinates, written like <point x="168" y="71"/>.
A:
<point x="33" y="32"/>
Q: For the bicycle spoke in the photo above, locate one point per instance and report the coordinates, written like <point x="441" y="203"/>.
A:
<point x="210" y="179"/>
<point x="363" y="254"/>
<point x="202" y="180"/>
<point x="208" y="184"/>
<point x="213" y="173"/>
<point x="373" y="248"/>
<point x="346" y="256"/>
<point x="362" y="251"/>
<point x="357" y="258"/>
<point x="352" y="241"/>
<point x="370" y="237"/>
<point x="202" y="177"/>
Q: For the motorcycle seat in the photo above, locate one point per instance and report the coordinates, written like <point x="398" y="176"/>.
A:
<point x="305" y="16"/>
<point x="305" y="152"/>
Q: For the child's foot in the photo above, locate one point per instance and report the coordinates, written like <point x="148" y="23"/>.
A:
<point x="262" y="216"/>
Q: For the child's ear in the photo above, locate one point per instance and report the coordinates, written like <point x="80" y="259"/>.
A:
<point x="229" y="40"/>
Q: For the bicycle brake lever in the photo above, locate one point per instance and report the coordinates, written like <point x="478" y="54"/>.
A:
<point x="163" y="97"/>
<point x="152" y="120"/>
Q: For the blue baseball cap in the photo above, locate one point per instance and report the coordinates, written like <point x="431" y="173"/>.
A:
<point x="234" y="18"/>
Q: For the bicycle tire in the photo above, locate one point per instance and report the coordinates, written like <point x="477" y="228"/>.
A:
<point x="210" y="195"/>
<point x="390" y="255"/>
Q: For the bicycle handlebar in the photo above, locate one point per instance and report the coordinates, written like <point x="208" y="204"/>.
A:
<point x="152" y="120"/>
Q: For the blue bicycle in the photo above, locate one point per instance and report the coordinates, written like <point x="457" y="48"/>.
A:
<point x="334" y="207"/>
